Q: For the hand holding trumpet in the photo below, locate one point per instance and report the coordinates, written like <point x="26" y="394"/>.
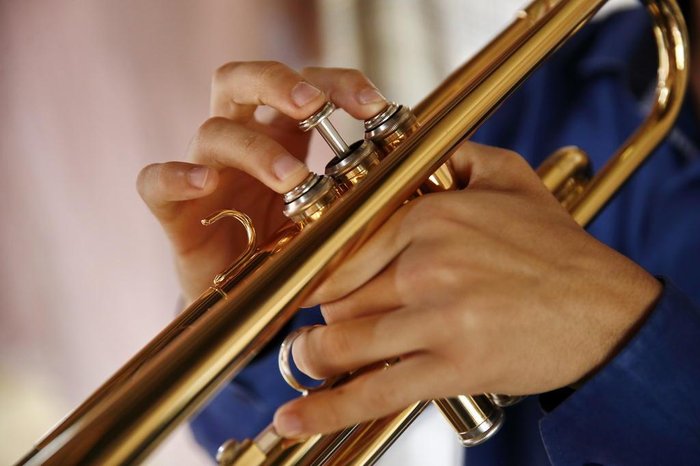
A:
<point x="239" y="158"/>
<point x="492" y="288"/>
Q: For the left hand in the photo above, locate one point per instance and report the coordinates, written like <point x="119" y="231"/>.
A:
<point x="491" y="289"/>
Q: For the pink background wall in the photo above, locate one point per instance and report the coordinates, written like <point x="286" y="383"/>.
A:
<point x="89" y="93"/>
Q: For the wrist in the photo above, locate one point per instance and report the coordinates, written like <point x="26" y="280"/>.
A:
<point x="634" y="296"/>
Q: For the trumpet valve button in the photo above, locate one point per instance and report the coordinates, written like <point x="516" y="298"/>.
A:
<point x="320" y="121"/>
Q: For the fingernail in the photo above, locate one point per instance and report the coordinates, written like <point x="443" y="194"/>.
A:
<point x="285" y="165"/>
<point x="197" y="177"/>
<point x="288" y="424"/>
<point x="369" y="95"/>
<point x="303" y="93"/>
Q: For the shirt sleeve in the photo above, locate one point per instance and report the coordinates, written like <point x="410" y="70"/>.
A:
<point x="643" y="407"/>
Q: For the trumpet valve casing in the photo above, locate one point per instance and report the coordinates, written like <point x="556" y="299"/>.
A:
<point x="307" y="201"/>
<point x="474" y="418"/>
<point x="350" y="168"/>
<point x="391" y="127"/>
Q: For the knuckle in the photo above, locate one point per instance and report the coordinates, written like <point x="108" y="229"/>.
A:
<point x="457" y="320"/>
<point x="271" y="69"/>
<point x="445" y="277"/>
<point x="511" y="156"/>
<point x="518" y="170"/>
<point x="466" y="327"/>
<point x="412" y="281"/>
<point x="222" y="73"/>
<point x="355" y="75"/>
<point x="511" y="160"/>
<point x="310" y="70"/>
<point x="318" y="348"/>
<point x="205" y="138"/>
<point x="335" y="345"/>
<point x="251" y="142"/>
<point x="416" y="215"/>
<point x="331" y="410"/>
<point x="211" y="127"/>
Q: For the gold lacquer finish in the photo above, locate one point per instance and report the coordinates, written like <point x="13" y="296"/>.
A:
<point x="566" y="173"/>
<point x="176" y="373"/>
<point x="358" y="445"/>
<point x="390" y="128"/>
<point x="250" y="247"/>
<point x="376" y="438"/>
<point x="563" y="165"/>
<point x="308" y="201"/>
<point x="671" y="37"/>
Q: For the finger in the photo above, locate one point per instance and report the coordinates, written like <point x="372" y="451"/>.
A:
<point x="486" y="167"/>
<point x="349" y="89"/>
<point x="163" y="185"/>
<point x="340" y="348"/>
<point x="222" y="143"/>
<point x="239" y="87"/>
<point x="380" y="294"/>
<point x="370" y="396"/>
<point x="372" y="257"/>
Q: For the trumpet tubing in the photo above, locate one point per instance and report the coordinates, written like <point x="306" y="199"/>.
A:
<point x="404" y="153"/>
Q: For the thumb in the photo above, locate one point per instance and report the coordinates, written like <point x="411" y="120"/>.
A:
<point x="486" y="167"/>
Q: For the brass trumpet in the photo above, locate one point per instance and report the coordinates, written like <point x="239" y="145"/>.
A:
<point x="404" y="153"/>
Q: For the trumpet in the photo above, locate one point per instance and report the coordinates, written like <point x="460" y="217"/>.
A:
<point x="404" y="153"/>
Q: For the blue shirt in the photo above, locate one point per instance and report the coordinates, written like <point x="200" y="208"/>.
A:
<point x="643" y="407"/>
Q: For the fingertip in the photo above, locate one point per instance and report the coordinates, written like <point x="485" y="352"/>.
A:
<point x="202" y="178"/>
<point x="306" y="100"/>
<point x="304" y="94"/>
<point x="483" y="166"/>
<point x="161" y="183"/>
<point x="371" y="102"/>
<point x="326" y="313"/>
<point x="142" y="177"/>
<point x="289" y="171"/>
<point x="200" y="181"/>
<point x="198" y="176"/>
<point x="313" y="299"/>
<point x="349" y="89"/>
<point x="288" y="422"/>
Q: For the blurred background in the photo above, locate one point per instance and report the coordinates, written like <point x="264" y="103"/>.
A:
<point x="93" y="90"/>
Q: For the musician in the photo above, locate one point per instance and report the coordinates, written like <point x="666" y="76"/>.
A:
<point x="492" y="288"/>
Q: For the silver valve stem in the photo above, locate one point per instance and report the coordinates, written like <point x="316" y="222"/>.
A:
<point x="323" y="125"/>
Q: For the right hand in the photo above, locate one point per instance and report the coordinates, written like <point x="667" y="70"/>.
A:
<point x="236" y="161"/>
